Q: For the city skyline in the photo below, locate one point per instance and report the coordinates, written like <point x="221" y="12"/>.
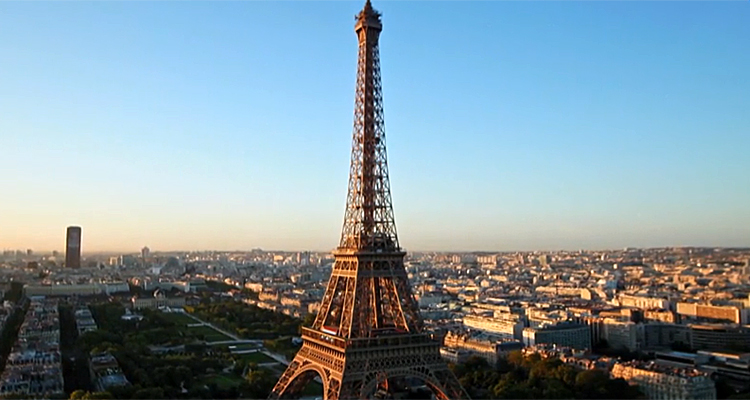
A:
<point x="583" y="130"/>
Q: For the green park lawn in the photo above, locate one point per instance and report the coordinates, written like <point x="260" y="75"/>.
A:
<point x="223" y="381"/>
<point x="210" y="334"/>
<point x="179" y="319"/>
<point x="257" y="357"/>
<point x="183" y="321"/>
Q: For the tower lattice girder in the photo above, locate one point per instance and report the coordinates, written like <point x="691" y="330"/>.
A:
<point x="368" y="331"/>
<point x="368" y="293"/>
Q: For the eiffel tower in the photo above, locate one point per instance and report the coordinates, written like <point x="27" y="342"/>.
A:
<point x="367" y="339"/>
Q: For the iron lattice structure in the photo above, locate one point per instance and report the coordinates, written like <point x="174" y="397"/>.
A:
<point x="367" y="338"/>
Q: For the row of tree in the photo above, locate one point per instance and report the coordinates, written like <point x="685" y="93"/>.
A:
<point x="247" y="321"/>
<point x="533" y="377"/>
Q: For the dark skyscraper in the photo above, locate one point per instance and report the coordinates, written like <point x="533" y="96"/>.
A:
<point x="73" y="247"/>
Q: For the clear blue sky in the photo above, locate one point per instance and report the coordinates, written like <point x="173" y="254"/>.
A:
<point x="510" y="125"/>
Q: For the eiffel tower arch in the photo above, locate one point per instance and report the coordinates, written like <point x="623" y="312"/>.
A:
<point x="367" y="338"/>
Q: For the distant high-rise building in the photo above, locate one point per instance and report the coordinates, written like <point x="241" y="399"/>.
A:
<point x="29" y="252"/>
<point x="128" y="260"/>
<point x="544" y="260"/>
<point x="73" y="247"/>
<point x="303" y="258"/>
<point x="145" y="252"/>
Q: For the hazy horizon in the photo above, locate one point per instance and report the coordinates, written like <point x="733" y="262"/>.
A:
<point x="84" y="254"/>
<point x="510" y="125"/>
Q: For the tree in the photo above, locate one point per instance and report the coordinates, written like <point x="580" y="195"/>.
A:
<point x="78" y="394"/>
<point x="515" y="358"/>
<point x="556" y="389"/>
<point x="98" y="396"/>
<point x="15" y="292"/>
<point x="743" y="395"/>
<point x="149" y="393"/>
<point x="261" y="382"/>
<point x="308" y="320"/>
<point x="85" y="395"/>
<point x="544" y="368"/>
<point x="507" y="389"/>
<point x="621" y="389"/>
<point x="534" y="377"/>
<point x="591" y="384"/>
<point x="122" y="392"/>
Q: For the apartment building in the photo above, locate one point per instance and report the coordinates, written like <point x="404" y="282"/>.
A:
<point x="34" y="368"/>
<point x="507" y="328"/>
<point x="623" y="334"/>
<point x="567" y="334"/>
<point x="644" y="303"/>
<point x="84" y="320"/>
<point x="480" y="346"/>
<point x="666" y="383"/>
<point x="719" y="337"/>
<point x="88" y="289"/>
<point x="105" y="372"/>
<point x="732" y="313"/>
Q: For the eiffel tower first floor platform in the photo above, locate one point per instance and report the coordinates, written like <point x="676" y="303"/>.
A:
<point x="358" y="368"/>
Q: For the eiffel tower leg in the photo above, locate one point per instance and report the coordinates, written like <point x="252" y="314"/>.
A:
<point x="451" y="388"/>
<point x="441" y="382"/>
<point x="297" y="375"/>
<point x="306" y="365"/>
<point x="284" y="387"/>
<point x="350" y="390"/>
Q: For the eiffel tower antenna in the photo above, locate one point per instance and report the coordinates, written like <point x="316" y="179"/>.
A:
<point x="367" y="339"/>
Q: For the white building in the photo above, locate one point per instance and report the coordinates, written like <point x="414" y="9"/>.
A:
<point x="510" y="328"/>
<point x="644" y="303"/>
<point x="621" y="334"/>
<point x="666" y="383"/>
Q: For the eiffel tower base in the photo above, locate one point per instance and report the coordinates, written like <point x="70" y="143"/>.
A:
<point x="365" y="366"/>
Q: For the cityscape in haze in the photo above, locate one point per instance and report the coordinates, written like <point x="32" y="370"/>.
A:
<point x="560" y="211"/>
